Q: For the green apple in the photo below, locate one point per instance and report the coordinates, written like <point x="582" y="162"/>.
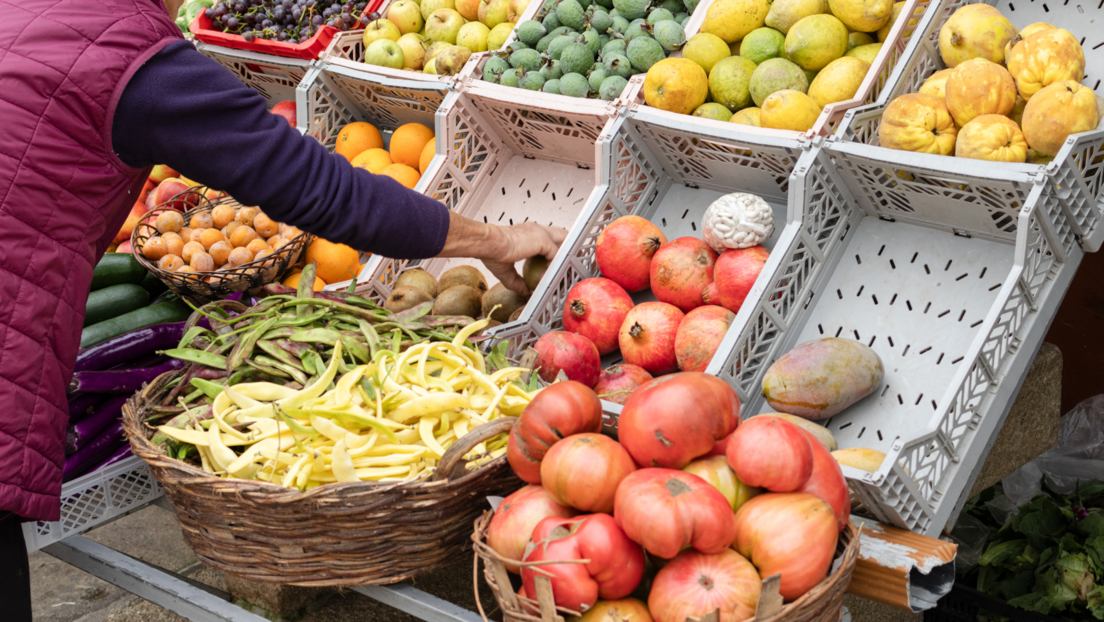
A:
<point x="384" y="53"/>
<point x="429" y="6"/>
<point x="450" y="61"/>
<point x="430" y="66"/>
<point x="515" y="9"/>
<point x="469" y="9"/>
<point x="435" y="48"/>
<point x="493" y="12"/>
<point x="414" y="48"/>
<point x="444" y="25"/>
<point x="498" y="35"/>
<point x="473" y="36"/>
<point x="380" y="29"/>
<point x="406" y="15"/>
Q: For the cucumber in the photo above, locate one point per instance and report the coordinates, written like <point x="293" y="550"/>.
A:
<point x="109" y="302"/>
<point x="117" y="268"/>
<point x="163" y="297"/>
<point x="165" y="313"/>
<point x="153" y="285"/>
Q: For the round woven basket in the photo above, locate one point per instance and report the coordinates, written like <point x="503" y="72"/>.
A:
<point x="202" y="287"/>
<point x="344" y="534"/>
<point x="823" y="603"/>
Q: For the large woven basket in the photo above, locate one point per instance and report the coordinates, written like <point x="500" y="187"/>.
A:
<point x="823" y="603"/>
<point x="203" y="287"/>
<point x="344" y="534"/>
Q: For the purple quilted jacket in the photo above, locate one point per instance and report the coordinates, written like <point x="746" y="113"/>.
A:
<point x="63" y="196"/>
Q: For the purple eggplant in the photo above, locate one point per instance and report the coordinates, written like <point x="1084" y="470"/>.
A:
<point x="80" y="406"/>
<point x="82" y="433"/>
<point x="129" y="346"/>
<point x="149" y="360"/>
<point x="94" y="452"/>
<point x="119" y="381"/>
<point x="120" y="454"/>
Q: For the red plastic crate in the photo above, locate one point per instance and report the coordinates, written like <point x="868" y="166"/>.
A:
<point x="310" y="49"/>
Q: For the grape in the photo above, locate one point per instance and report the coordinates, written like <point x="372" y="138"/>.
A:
<point x="348" y="19"/>
<point x="361" y="6"/>
<point x="217" y="25"/>
<point x="327" y="13"/>
<point x="293" y="41"/>
<point x="232" y="22"/>
<point x="317" y="20"/>
<point x="210" y="13"/>
<point x="267" y="23"/>
<point x="248" y="37"/>
<point x="296" y="12"/>
<point x="373" y="16"/>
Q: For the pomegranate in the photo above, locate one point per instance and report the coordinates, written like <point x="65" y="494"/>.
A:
<point x="624" y="251"/>
<point x="735" y="274"/>
<point x="699" y="335"/>
<point x="681" y="270"/>
<point x="617" y="383"/>
<point x="595" y="309"/>
<point x="710" y="295"/>
<point x="574" y="354"/>
<point x="647" y="337"/>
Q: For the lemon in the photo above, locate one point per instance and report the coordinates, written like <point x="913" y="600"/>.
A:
<point x="867" y="52"/>
<point x="815" y="41"/>
<point x="706" y="50"/>
<point x="732" y="20"/>
<point x="839" y="81"/>
<point x="862" y="15"/>
<point x="785" y="13"/>
<point x="747" y="116"/>
<point x="713" y="111"/>
<point x="883" y="32"/>
<point x="762" y="44"/>
<point x="855" y="39"/>
<point x="676" y="85"/>
<point x="789" y="110"/>
<point x="729" y="82"/>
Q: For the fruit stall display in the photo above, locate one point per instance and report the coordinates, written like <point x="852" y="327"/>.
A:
<point x="1009" y="95"/>
<point x="691" y="511"/>
<point x="788" y="66"/>
<point x="290" y="28"/>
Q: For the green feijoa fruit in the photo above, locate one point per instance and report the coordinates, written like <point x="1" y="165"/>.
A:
<point x="571" y="14"/>
<point x="670" y="35"/>
<point x="690" y="5"/>
<point x="674" y="6"/>
<point x="552" y="86"/>
<point x="601" y="21"/>
<point x="637" y="29"/>
<point x="602" y="41"/>
<point x="494" y="68"/>
<point x="619" y="25"/>
<point x="576" y="58"/>
<point x="659" y="15"/>
<point x="558" y="44"/>
<point x="643" y="52"/>
<point x="619" y="65"/>
<point x="532" y="81"/>
<point x="552" y="70"/>
<point x="512" y="76"/>
<point x="615" y="46"/>
<point x="632" y="9"/>
<point x="597" y="75"/>
<point x="591" y="39"/>
<point x="531" y="32"/>
<point x="611" y="87"/>
<point x="515" y="46"/>
<point x="551" y="21"/>
<point x="574" y="85"/>
<point x="605" y="4"/>
<point x="528" y="59"/>
<point x="542" y="45"/>
<point x="615" y="13"/>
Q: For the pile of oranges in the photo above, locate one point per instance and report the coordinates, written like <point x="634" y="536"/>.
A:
<point x="412" y="149"/>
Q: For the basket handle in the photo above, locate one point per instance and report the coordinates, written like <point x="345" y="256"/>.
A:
<point x="452" y="463"/>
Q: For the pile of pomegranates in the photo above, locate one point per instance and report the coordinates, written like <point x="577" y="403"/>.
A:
<point x="698" y="291"/>
<point x="714" y="504"/>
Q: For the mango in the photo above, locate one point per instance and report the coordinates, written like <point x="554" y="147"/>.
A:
<point x="861" y="458"/>
<point x="820" y="432"/>
<point x="819" y="379"/>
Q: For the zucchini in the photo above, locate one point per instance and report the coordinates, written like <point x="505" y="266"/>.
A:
<point x="152" y="284"/>
<point x="104" y="304"/>
<point x="115" y="269"/>
<point x="163" y="297"/>
<point x="166" y="313"/>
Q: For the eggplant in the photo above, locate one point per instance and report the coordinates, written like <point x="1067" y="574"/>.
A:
<point x="80" y="434"/>
<point x="130" y="346"/>
<point x="80" y="406"/>
<point x="94" y="452"/>
<point x="120" y="454"/>
<point x="119" y="381"/>
<point x="149" y="360"/>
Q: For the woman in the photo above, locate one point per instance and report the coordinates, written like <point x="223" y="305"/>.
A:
<point x="93" y="93"/>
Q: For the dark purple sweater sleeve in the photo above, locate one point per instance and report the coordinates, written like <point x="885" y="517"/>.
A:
<point x="187" y="111"/>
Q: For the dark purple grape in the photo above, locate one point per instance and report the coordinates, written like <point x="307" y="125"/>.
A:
<point x="317" y="20"/>
<point x="266" y="24"/>
<point x="373" y="16"/>
<point x="210" y="13"/>
<point x="348" y="19"/>
<point x="217" y="25"/>
<point x="221" y="9"/>
<point x="248" y="37"/>
<point x="361" y="6"/>
<point x="232" y="22"/>
<point x="296" y="12"/>
<point x="327" y="13"/>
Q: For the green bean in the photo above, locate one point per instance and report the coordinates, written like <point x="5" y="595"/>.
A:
<point x="272" y="363"/>
<point x="209" y="388"/>
<point x="280" y="354"/>
<point x="208" y="359"/>
<point x="244" y="348"/>
<point x="355" y="348"/>
<point x="272" y="371"/>
<point x="370" y="335"/>
<point x="317" y="335"/>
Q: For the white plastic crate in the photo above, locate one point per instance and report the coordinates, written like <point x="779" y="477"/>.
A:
<point x="654" y="168"/>
<point x="503" y="166"/>
<point x="274" y="77"/>
<point x="95" y="499"/>
<point x="332" y="96"/>
<point x="953" y="184"/>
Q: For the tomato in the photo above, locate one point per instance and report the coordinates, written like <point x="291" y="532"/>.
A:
<point x="616" y="562"/>
<point x="667" y="511"/>
<point x="694" y="583"/>
<point x="772" y="453"/>
<point x="673" y="419"/>
<point x="515" y="518"/>
<point x="583" y="471"/>
<point x="720" y="447"/>
<point x="828" y="483"/>
<point x="558" y="411"/>
<point x="624" y="610"/>
<point x="791" y="534"/>
<point x="716" y="471"/>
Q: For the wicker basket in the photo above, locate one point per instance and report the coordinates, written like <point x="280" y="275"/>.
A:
<point x="202" y="287"/>
<point x="356" y="533"/>
<point x="823" y="603"/>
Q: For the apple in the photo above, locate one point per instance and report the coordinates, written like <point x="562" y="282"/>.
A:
<point x="498" y="35"/>
<point x="135" y="214"/>
<point x="286" y="110"/>
<point x="406" y="15"/>
<point x="414" y="49"/>
<point x="161" y="172"/>
<point x="435" y="48"/>
<point x="159" y="196"/>
<point x="444" y="25"/>
<point x="429" y="6"/>
<point x="516" y="8"/>
<point x="451" y="61"/>
<point x="469" y="9"/>
<point x="380" y="29"/>
<point x="493" y="12"/>
<point x="473" y="36"/>
<point x="384" y="53"/>
<point x="430" y="67"/>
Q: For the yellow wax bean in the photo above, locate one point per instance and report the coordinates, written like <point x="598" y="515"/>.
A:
<point x="241" y="400"/>
<point x="249" y="456"/>
<point x="425" y="430"/>
<point x="329" y="429"/>
<point x="223" y="456"/>
<point x="429" y="405"/>
<point x="293" y="471"/>
<point x="263" y="391"/>
<point x="342" y="465"/>
<point x="316" y="388"/>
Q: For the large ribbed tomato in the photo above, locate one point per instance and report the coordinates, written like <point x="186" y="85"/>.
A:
<point x="715" y="470"/>
<point x="828" y="482"/>
<point x="624" y="610"/>
<point x="694" y="583"/>
<point x="584" y="470"/>
<point x="674" y="419"/>
<point x="772" y="453"/>
<point x="793" y="534"/>
<point x="667" y="511"/>
<point x="558" y="411"/>
<point x="515" y="518"/>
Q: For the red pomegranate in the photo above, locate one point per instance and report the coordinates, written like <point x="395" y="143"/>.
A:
<point x="699" y="335"/>
<point x="735" y="274"/>
<point x="595" y="308"/>
<point x="286" y="109"/>
<point x="681" y="270"/>
<point x="710" y="295"/>
<point x="616" y="384"/>
<point x="574" y="354"/>
<point x="624" y="251"/>
<point x="647" y="337"/>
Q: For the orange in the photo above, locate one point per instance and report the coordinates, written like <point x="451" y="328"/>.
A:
<point x="357" y="137"/>
<point x="408" y="142"/>
<point x="428" y="152"/>
<point x="293" y="281"/>
<point x="402" y="174"/>
<point x="335" y="262"/>
<point x="372" y="160"/>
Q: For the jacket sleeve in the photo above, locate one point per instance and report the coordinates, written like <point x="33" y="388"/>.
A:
<point x="187" y="111"/>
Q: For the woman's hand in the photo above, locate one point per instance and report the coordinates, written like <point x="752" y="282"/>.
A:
<point x="499" y="248"/>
